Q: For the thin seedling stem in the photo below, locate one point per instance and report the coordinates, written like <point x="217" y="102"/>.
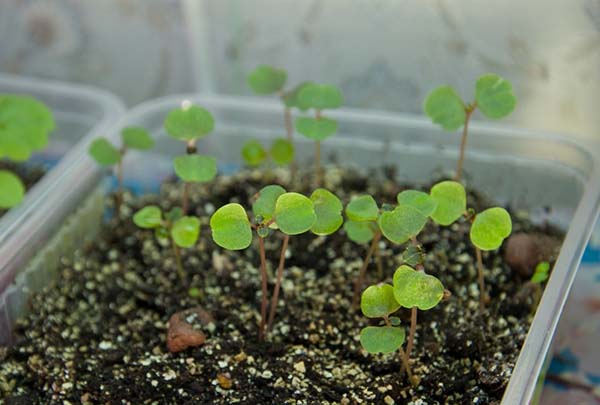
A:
<point x="463" y="141"/>
<point x="482" y="293"/>
<point x="177" y="254"/>
<point x="361" y="275"/>
<point x="186" y="197"/>
<point x="275" y="298"/>
<point x="411" y="333"/>
<point x="263" y="275"/>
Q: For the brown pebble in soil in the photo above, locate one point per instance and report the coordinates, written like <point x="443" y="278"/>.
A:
<point x="181" y="335"/>
<point x="525" y="250"/>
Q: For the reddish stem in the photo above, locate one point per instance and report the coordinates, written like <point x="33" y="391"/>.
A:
<point x="463" y="141"/>
<point x="263" y="274"/>
<point x="482" y="293"/>
<point x="275" y="298"/>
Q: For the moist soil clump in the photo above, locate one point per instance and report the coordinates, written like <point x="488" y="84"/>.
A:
<point x="98" y="334"/>
<point x="28" y="174"/>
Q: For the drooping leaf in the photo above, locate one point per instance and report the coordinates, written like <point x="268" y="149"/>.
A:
<point x="494" y="96"/>
<point x="360" y="231"/>
<point x="195" y="168"/>
<point x="378" y="301"/>
<point x="12" y="190"/>
<point x="490" y="228"/>
<point x="137" y="138"/>
<point x="282" y="152"/>
<point x="412" y="255"/>
<point x="104" y="153"/>
<point x="416" y="289"/>
<point x="451" y="201"/>
<point x="362" y="208"/>
<point x="148" y="217"/>
<point x="264" y="205"/>
<point x="253" y="153"/>
<point x="317" y="129"/>
<point x="402" y="223"/>
<point x="290" y="98"/>
<point x="294" y="213"/>
<point x="190" y="123"/>
<point x="231" y="228"/>
<point x="267" y="79"/>
<point x="328" y="209"/>
<point x="319" y="96"/>
<point x="419" y="200"/>
<point x="541" y="272"/>
<point x="381" y="339"/>
<point x="445" y="108"/>
<point x="185" y="231"/>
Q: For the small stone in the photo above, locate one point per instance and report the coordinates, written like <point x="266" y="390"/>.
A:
<point x="181" y="334"/>
<point x="105" y="345"/>
<point x="241" y="356"/>
<point x="154" y="383"/>
<point x="525" y="250"/>
<point x="222" y="364"/>
<point x="299" y="367"/>
<point x="224" y="381"/>
<point x="389" y="400"/>
<point x="267" y="374"/>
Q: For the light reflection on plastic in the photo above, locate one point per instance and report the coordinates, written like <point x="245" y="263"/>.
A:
<point x="185" y="104"/>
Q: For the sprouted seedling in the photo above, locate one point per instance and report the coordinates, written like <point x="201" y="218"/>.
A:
<point x="493" y="96"/>
<point x="319" y="97"/>
<point x="281" y="152"/>
<point x="189" y="124"/>
<point x="540" y="275"/>
<point x="24" y="127"/>
<point x="275" y="209"/>
<point x="105" y="154"/>
<point x="181" y="231"/>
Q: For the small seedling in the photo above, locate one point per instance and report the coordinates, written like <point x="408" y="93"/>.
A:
<point x="493" y="96"/>
<point x="189" y="124"/>
<point x="281" y="153"/>
<point x="182" y="231"/>
<point x="275" y="209"/>
<point x="105" y="154"/>
<point x="319" y="97"/>
<point x="25" y="124"/>
<point x="540" y="275"/>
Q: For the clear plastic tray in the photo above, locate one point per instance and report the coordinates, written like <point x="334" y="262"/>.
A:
<point x="528" y="170"/>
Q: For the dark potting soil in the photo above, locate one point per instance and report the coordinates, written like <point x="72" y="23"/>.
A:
<point x="98" y="334"/>
<point x="29" y="174"/>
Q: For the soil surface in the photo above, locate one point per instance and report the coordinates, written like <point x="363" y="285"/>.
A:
<point x="98" y="334"/>
<point x="27" y="173"/>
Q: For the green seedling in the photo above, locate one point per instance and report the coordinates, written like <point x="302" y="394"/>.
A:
<point x="181" y="231"/>
<point x="540" y="275"/>
<point x="107" y="155"/>
<point x="318" y="97"/>
<point x="493" y="97"/>
<point x="275" y="209"/>
<point x="189" y="124"/>
<point x="281" y="153"/>
<point x="25" y="124"/>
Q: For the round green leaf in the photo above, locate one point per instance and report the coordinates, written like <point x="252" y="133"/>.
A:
<point x="317" y="129"/>
<point x="362" y="208"/>
<point x="378" y="301"/>
<point x="445" y="108"/>
<point x="253" y="153"/>
<point x="494" y="96"/>
<point x="541" y="272"/>
<point x="490" y="228"/>
<point x="282" y="152"/>
<point x="328" y="209"/>
<point x="416" y="289"/>
<point x="360" y="231"/>
<point x="381" y="339"/>
<point x="319" y="96"/>
<point x="294" y="213"/>
<point x="137" y="138"/>
<point x="451" y="201"/>
<point x="266" y="79"/>
<point x="189" y="124"/>
<point x="264" y="205"/>
<point x="290" y="98"/>
<point x="148" y="217"/>
<point x="418" y="200"/>
<point x="12" y="190"/>
<point x="104" y="153"/>
<point x="195" y="168"/>
<point x="231" y="228"/>
<point x="185" y="231"/>
<point x="402" y="223"/>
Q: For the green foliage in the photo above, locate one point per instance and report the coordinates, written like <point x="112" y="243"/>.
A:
<point x="362" y="208"/>
<point x="231" y="228"/>
<point x="294" y="213"/>
<point x="402" y="223"/>
<point x="490" y="228"/>
<point x="445" y="108"/>
<point x="419" y="200"/>
<point x="381" y="339"/>
<point x="290" y="98"/>
<point x="328" y="209"/>
<point x="282" y="152"/>
<point x="319" y="96"/>
<point x="317" y="129"/>
<point x="378" y="301"/>
<point x="24" y="126"/>
<point x="264" y="205"/>
<point x="189" y="124"/>
<point x="451" y="201"/>
<point x="12" y="190"/>
<point x="185" y="231"/>
<point x="195" y="168"/>
<point x="494" y="96"/>
<point x="253" y="153"/>
<point x="541" y="273"/>
<point x="412" y="255"/>
<point x="148" y="217"/>
<point x="360" y="231"/>
<point x="267" y="79"/>
<point x="104" y="153"/>
<point x="174" y="214"/>
<point x="137" y="138"/>
<point x="416" y="289"/>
